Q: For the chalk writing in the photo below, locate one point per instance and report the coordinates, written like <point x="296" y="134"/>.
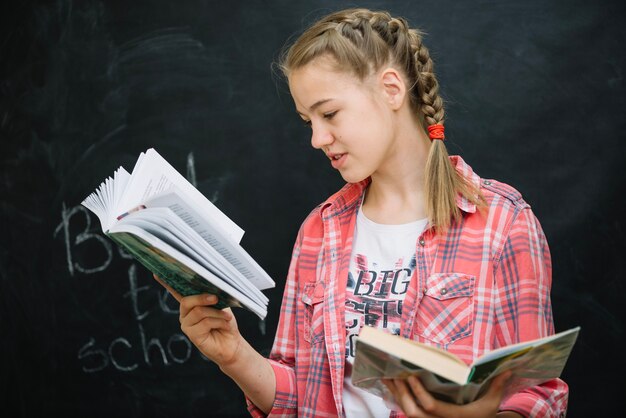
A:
<point x="191" y="169"/>
<point x="117" y="365"/>
<point x="84" y="236"/>
<point x="130" y="352"/>
<point x="86" y="352"/>
<point x="176" y="350"/>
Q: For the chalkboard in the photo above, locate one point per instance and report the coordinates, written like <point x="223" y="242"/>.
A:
<point x="535" y="98"/>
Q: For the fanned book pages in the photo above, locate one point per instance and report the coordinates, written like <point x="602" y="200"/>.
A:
<point x="177" y="233"/>
<point x="380" y="355"/>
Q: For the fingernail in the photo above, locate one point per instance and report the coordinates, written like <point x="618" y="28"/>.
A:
<point x="211" y="298"/>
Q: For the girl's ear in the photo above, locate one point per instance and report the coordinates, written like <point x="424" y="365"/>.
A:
<point x="393" y="86"/>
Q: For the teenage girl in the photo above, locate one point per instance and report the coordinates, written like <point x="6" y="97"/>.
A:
<point x="415" y="243"/>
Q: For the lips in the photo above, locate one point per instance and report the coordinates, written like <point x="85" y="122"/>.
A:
<point x="337" y="160"/>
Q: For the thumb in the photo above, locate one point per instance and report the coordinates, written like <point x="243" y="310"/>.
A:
<point x="174" y="293"/>
<point x="490" y="400"/>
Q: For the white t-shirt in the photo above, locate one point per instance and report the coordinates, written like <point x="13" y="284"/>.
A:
<point x="381" y="266"/>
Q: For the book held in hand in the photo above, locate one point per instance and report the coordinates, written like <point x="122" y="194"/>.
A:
<point x="161" y="219"/>
<point x="380" y="355"/>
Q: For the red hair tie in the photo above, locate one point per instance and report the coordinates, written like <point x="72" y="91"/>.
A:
<point x="436" y="132"/>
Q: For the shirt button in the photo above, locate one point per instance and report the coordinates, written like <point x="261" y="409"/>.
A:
<point x="422" y="242"/>
<point x="443" y="291"/>
<point x="487" y="182"/>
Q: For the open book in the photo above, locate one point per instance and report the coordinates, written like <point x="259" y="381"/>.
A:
<point x="382" y="355"/>
<point x="178" y="234"/>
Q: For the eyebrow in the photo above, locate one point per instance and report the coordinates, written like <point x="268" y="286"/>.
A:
<point x="315" y="105"/>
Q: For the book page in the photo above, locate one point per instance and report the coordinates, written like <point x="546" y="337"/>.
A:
<point x="531" y="363"/>
<point x="106" y="197"/>
<point x="229" y="250"/>
<point x="120" y="181"/>
<point x="538" y="360"/>
<point x="568" y="337"/>
<point x="371" y="365"/>
<point x="168" y="227"/>
<point x="178" y="270"/>
<point x="152" y="175"/>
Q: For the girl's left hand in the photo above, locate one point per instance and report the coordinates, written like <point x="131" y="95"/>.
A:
<point x="416" y="402"/>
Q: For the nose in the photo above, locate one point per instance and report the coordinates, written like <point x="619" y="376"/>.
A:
<point x="320" y="137"/>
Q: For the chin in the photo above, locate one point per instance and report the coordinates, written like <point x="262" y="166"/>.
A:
<point x="353" y="177"/>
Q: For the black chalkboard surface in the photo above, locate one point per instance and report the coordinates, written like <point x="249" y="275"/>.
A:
<point x="535" y="98"/>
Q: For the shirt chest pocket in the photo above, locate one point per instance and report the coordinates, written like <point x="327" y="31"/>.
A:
<point x="313" y="312"/>
<point x="446" y="312"/>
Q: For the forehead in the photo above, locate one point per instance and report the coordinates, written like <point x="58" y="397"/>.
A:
<point x="320" y="78"/>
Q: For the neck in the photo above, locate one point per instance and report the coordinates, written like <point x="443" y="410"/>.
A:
<point x="396" y="194"/>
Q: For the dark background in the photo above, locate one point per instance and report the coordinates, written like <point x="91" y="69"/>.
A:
<point x="535" y="98"/>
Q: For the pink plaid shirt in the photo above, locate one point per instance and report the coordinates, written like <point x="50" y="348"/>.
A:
<point x="496" y="272"/>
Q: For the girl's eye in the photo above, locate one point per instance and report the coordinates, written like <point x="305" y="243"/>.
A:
<point x="329" y="115"/>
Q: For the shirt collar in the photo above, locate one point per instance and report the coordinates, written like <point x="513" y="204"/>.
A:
<point x="466" y="171"/>
<point x="344" y="199"/>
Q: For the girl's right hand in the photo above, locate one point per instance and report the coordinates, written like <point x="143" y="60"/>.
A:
<point x="216" y="335"/>
<point x="213" y="331"/>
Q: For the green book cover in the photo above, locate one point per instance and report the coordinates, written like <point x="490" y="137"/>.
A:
<point x="177" y="275"/>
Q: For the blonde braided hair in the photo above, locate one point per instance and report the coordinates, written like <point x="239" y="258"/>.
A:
<point x="361" y="42"/>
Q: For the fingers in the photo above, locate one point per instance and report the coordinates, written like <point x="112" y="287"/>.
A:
<point x="203" y="323"/>
<point x="405" y="399"/>
<point x="489" y="403"/>
<point x="496" y="389"/>
<point x="188" y="303"/>
<point x="174" y="293"/>
<point x="195" y="309"/>
<point x="200" y="313"/>
<point x="416" y="401"/>
<point x="410" y="395"/>
<point x="424" y="398"/>
<point x="204" y="327"/>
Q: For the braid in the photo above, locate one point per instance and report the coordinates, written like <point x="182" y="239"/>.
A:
<point x="442" y="181"/>
<point x="427" y="84"/>
<point x="407" y="51"/>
